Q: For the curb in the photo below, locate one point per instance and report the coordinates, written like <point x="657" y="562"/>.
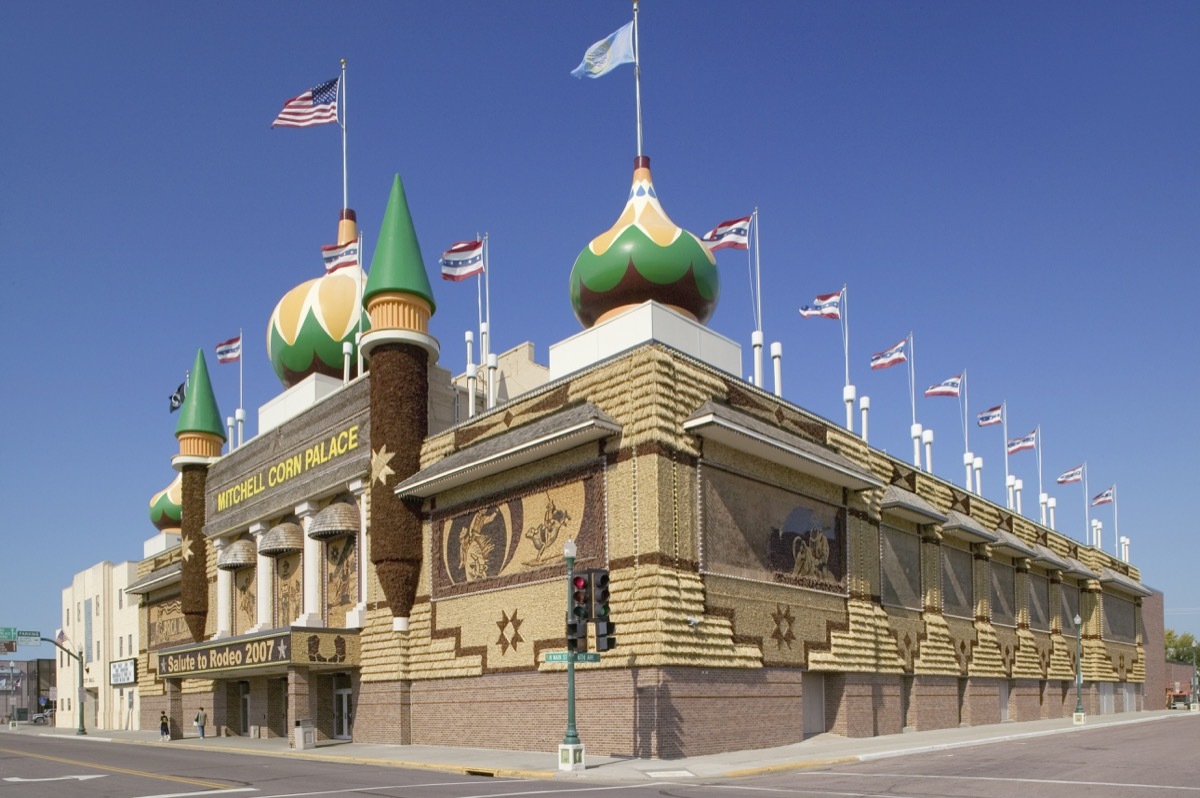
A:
<point x="787" y="766"/>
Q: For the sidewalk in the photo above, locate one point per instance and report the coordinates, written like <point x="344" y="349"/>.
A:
<point x="822" y="750"/>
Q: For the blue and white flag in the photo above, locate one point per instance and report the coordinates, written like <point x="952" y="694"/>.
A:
<point x="339" y="256"/>
<point x="825" y="306"/>
<point x="734" y="233"/>
<point x="1022" y="444"/>
<point x="993" y="415"/>
<point x="889" y="357"/>
<point x="607" y="54"/>
<point x="1074" y="475"/>
<point x="462" y="260"/>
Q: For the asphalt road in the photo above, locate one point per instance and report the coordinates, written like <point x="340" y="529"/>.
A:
<point x="1144" y="760"/>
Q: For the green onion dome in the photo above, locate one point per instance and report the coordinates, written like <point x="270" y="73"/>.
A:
<point x="644" y="256"/>
<point x="166" y="506"/>
<point x="312" y="321"/>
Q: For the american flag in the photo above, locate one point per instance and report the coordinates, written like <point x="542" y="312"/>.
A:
<point x="734" y="234"/>
<point x="317" y="106"/>
<point x="1021" y="444"/>
<point x="61" y="638"/>
<point x="827" y="306"/>
<point x="993" y="415"/>
<point x="339" y="256"/>
<point x="889" y="357"/>
<point x="230" y="351"/>
<point x="462" y="260"/>
<point x="1106" y="497"/>
<point x="1073" y="475"/>
<point x="948" y="387"/>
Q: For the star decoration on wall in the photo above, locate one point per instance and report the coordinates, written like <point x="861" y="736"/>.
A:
<point x="784" y="622"/>
<point x="507" y="641"/>
<point x="283" y="647"/>
<point x="187" y="548"/>
<point x="380" y="470"/>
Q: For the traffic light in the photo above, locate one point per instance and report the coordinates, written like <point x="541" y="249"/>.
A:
<point x="598" y="611"/>
<point x="579" y="601"/>
<point x="605" y="635"/>
<point x="577" y="636"/>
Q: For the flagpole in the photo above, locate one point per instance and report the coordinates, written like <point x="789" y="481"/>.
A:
<point x="1004" y="443"/>
<point x="487" y="283"/>
<point x="1087" y="514"/>
<point x="846" y="329"/>
<point x="358" y="338"/>
<point x="241" y="354"/>
<point x="1038" y="433"/>
<point x="345" y="185"/>
<point x="1116" y="528"/>
<point x="912" y="366"/>
<point x="757" y="278"/>
<point x="637" y="77"/>
<point x="962" y="413"/>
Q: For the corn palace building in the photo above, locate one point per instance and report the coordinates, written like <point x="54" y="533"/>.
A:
<point x="390" y="568"/>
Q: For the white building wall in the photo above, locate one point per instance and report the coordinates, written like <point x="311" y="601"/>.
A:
<point x="93" y="616"/>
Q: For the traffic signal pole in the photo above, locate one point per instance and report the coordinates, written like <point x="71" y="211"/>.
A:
<point x="81" y="729"/>
<point x="571" y="751"/>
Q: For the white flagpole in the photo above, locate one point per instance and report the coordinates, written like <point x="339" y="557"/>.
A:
<point x="359" y="309"/>
<point x="487" y="284"/>
<point x="241" y="355"/>
<point x="637" y="76"/>
<point x="1037" y="431"/>
<point x="345" y="186"/>
<point x="964" y="403"/>
<point x="912" y="367"/>
<point x="1116" y="529"/>
<point x="846" y="329"/>
<point x="1004" y="443"/>
<point x="1087" y="513"/>
<point x="756" y="339"/>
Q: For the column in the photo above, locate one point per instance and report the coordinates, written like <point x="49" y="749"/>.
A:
<point x="265" y="575"/>
<point x="224" y="589"/>
<point x="174" y="695"/>
<point x="313" y="549"/>
<point x="357" y="617"/>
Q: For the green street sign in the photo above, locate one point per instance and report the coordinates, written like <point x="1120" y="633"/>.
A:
<point x="29" y="638"/>
<point x="8" y="633"/>
<point x="582" y="656"/>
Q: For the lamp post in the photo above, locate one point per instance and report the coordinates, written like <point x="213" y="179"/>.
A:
<point x="78" y="657"/>
<point x="1079" y="716"/>
<point x="8" y="690"/>
<point x="1195" y="680"/>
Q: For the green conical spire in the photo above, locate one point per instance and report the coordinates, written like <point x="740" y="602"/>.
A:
<point x="200" y="412"/>
<point x="397" y="266"/>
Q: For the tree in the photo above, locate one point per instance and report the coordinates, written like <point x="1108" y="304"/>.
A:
<point x="1181" y="647"/>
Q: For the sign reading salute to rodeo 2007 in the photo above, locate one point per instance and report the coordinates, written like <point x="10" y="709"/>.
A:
<point x="239" y="654"/>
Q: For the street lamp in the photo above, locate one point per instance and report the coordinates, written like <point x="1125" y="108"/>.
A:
<point x="1078" y="669"/>
<point x="79" y="697"/>
<point x="8" y="689"/>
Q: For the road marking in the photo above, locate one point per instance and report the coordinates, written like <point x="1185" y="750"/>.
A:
<point x="202" y="792"/>
<point x="1007" y="778"/>
<point x="112" y="769"/>
<point x="550" y="791"/>
<point x="59" y="778"/>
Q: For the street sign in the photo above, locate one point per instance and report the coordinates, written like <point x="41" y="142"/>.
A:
<point x="8" y="633"/>
<point x="582" y="656"/>
<point x="8" y="647"/>
<point x="29" y="638"/>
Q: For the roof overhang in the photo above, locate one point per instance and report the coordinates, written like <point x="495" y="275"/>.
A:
<point x="156" y="580"/>
<point x="1076" y="568"/>
<point x="964" y="527"/>
<point x="537" y="441"/>
<point x="907" y="505"/>
<point x="1048" y="559"/>
<point x="1010" y="544"/>
<point x="1111" y="578"/>
<point x="753" y="437"/>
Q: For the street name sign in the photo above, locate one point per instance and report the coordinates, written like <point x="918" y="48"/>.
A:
<point x="561" y="656"/>
<point x="8" y="633"/>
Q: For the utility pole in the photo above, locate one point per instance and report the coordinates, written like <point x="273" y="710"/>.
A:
<point x="78" y="657"/>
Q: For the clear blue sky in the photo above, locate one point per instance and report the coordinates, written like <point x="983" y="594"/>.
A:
<point x="1016" y="182"/>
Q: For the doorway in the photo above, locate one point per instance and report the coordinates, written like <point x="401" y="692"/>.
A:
<point x="343" y="707"/>
<point x="812" y="696"/>
<point x="244" y="699"/>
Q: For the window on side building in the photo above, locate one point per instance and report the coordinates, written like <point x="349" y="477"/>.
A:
<point x="1069" y="608"/>
<point x="958" y="588"/>
<point x="900" y="568"/>
<point x="1120" y="619"/>
<point x="1003" y="594"/>
<point x="1039" y="602"/>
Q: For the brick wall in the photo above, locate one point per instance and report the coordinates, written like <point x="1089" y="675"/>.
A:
<point x="933" y="703"/>
<point x="981" y="702"/>
<point x="1025" y="700"/>
<point x="862" y="704"/>
<point x="1156" y="655"/>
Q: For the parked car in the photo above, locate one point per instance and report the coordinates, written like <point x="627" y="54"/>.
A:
<point x="43" y="718"/>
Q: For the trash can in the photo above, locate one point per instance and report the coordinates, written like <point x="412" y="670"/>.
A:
<point x="306" y="735"/>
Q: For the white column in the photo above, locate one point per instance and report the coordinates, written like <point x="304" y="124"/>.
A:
<point x="969" y="462"/>
<point x="1052" y="503"/>
<point x="265" y="574"/>
<point x="1010" y="483"/>
<point x="1018" y="486"/>
<point x="916" y="436"/>
<point x="224" y="586"/>
<point x="313" y="549"/>
<point x="777" y="362"/>
<point x="927" y="439"/>
<point x="864" y="405"/>
<point x="978" y="463"/>
<point x="756" y="343"/>
<point x="849" y="394"/>
<point x="493" y="367"/>
<point x="357" y="617"/>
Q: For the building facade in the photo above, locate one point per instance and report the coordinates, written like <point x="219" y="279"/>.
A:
<point x="380" y="567"/>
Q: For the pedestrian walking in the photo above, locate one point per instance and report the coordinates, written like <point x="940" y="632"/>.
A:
<point x="164" y="728"/>
<point x="201" y="720"/>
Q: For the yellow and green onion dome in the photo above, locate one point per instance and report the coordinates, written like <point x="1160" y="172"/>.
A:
<point x="644" y="256"/>
<point x="312" y="321"/>
<point x="166" y="506"/>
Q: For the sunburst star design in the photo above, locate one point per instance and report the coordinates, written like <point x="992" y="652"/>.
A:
<point x="784" y="621"/>
<point x="380" y="470"/>
<point x="505" y="641"/>
<point x="187" y="548"/>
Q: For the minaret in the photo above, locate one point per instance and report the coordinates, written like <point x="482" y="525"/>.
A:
<point x="399" y="301"/>
<point x="201" y="437"/>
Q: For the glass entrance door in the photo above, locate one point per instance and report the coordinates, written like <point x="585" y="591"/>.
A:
<point x="343" y="713"/>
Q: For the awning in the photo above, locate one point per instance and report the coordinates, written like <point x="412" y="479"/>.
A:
<point x="1076" y="568"/>
<point x="1012" y="545"/>
<point x="1111" y="578"/>
<point x="538" y="440"/>
<point x="908" y="505"/>
<point x="1048" y="559"/>
<point x="337" y="520"/>
<point x="163" y="577"/>
<point x="747" y="434"/>
<point x="964" y="527"/>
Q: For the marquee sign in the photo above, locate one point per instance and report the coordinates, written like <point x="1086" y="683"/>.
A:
<point x="283" y="647"/>
<point x="122" y="672"/>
